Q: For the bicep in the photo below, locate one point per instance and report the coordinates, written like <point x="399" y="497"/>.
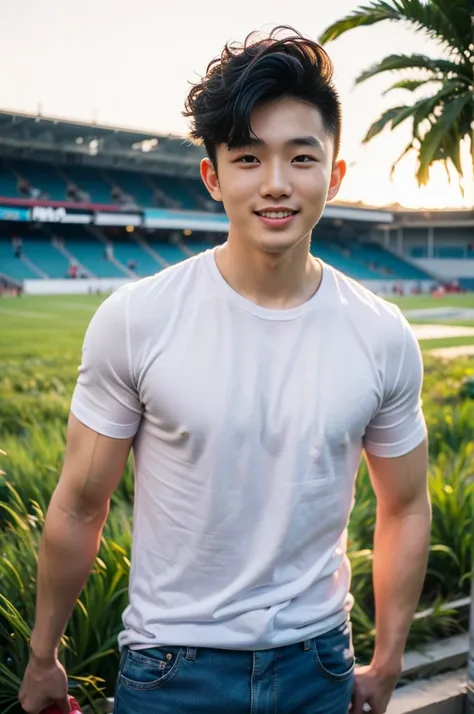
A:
<point x="398" y="426"/>
<point x="106" y="398"/>
<point x="400" y="482"/>
<point x="93" y="467"/>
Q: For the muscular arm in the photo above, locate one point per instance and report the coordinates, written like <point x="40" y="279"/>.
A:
<point x="401" y="544"/>
<point x="93" y="467"/>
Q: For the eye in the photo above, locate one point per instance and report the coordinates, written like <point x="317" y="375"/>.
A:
<point x="247" y="159"/>
<point x="305" y="159"/>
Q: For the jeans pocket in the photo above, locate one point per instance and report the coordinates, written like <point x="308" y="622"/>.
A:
<point x="334" y="653"/>
<point x="150" y="669"/>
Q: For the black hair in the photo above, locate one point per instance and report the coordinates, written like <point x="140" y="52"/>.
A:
<point x="258" y="71"/>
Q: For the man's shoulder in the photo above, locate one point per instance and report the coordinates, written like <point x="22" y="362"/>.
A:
<point x="163" y="289"/>
<point x="362" y="301"/>
<point x="146" y="300"/>
<point x="167" y="278"/>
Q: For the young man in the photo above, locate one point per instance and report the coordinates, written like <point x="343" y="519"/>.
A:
<point x="248" y="380"/>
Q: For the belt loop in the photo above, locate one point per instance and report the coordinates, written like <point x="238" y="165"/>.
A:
<point x="307" y="645"/>
<point x="191" y="653"/>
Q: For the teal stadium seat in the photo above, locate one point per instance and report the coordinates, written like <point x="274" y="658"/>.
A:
<point x="419" y="251"/>
<point x="11" y="266"/>
<point x="48" y="259"/>
<point x="329" y="253"/>
<point x="176" y="189"/>
<point x="134" y="185"/>
<point x="43" y="177"/>
<point x="145" y="263"/>
<point x="8" y="183"/>
<point x="171" y="253"/>
<point x="449" y="251"/>
<point x="91" y="255"/>
<point x="375" y="253"/>
<point x="89" y="180"/>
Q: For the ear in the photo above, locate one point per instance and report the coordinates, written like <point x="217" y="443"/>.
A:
<point x="210" y="178"/>
<point x="338" y="172"/>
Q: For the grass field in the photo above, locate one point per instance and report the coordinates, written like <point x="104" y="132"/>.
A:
<point x="418" y="302"/>
<point x="47" y="326"/>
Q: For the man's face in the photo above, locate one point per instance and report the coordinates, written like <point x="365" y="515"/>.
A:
<point x="274" y="190"/>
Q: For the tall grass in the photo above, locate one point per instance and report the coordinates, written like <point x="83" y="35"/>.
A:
<point x="89" y="647"/>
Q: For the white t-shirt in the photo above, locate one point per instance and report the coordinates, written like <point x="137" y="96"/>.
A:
<point x="249" y="427"/>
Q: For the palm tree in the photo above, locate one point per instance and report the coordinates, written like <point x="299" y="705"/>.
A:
<point x="444" y="116"/>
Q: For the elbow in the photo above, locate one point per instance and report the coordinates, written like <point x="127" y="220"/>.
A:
<point x="418" y="505"/>
<point x="79" y="507"/>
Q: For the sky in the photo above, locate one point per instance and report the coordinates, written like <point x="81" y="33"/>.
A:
<point x="129" y="64"/>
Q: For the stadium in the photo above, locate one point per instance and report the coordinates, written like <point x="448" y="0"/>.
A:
<point x="86" y="208"/>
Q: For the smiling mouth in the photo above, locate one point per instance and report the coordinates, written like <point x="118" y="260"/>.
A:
<point x="275" y="214"/>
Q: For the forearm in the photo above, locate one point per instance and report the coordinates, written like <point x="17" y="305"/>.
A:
<point x="69" y="546"/>
<point x="401" y="548"/>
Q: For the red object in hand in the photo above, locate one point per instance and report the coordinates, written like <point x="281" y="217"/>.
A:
<point x="74" y="706"/>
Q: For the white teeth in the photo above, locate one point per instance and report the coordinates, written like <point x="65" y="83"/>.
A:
<point x="273" y="214"/>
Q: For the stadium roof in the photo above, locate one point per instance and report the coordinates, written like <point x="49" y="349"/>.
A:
<point x="30" y="136"/>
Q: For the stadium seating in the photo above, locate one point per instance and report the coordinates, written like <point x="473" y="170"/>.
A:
<point x="171" y="253"/>
<point x="419" y="251"/>
<point x="134" y="185"/>
<point x="175" y="189"/>
<point x="15" y="268"/>
<point x="386" y="264"/>
<point x="8" y="182"/>
<point x="91" y="254"/>
<point x="90" y="181"/>
<point x="145" y="264"/>
<point x="364" y="261"/>
<point x="331" y="253"/>
<point x="442" y="251"/>
<point x="448" y="251"/>
<point x="359" y="261"/>
<point x="51" y="182"/>
<point x="43" y="177"/>
<point x="46" y="257"/>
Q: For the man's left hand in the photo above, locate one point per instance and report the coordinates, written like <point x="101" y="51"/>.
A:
<point x="372" y="690"/>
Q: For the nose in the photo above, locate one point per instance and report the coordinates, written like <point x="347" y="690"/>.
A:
<point x="275" y="181"/>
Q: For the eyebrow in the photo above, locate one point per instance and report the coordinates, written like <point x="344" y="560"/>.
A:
<point x="296" y="141"/>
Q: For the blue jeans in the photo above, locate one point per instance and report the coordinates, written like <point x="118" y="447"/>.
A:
<point x="313" y="677"/>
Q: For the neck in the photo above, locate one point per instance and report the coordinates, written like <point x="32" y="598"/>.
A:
<point x="276" y="281"/>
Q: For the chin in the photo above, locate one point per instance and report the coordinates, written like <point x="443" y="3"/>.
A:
<point x="276" y="246"/>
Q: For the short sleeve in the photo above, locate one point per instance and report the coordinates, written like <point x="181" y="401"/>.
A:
<point x="105" y="398"/>
<point x="399" y="425"/>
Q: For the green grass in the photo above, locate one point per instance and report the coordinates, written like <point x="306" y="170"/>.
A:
<point x="38" y="327"/>
<point x="419" y="302"/>
<point x="446" y="342"/>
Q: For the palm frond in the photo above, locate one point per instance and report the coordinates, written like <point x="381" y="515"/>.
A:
<point x="449" y="26"/>
<point x="362" y="17"/>
<point x="419" y="111"/>
<point x="456" y="14"/>
<point x="432" y="140"/>
<point x="411" y="85"/>
<point x="409" y="147"/>
<point x="437" y="68"/>
<point x="378" y="126"/>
